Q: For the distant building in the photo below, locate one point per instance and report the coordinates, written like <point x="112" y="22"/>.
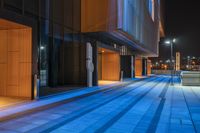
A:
<point x="178" y="61"/>
<point x="186" y="63"/>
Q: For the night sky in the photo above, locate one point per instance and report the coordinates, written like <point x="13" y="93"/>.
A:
<point x="182" y="21"/>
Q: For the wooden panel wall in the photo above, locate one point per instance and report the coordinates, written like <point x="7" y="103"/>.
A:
<point x="16" y="62"/>
<point x="138" y="67"/>
<point x="98" y="15"/>
<point x="3" y="61"/>
<point x="110" y="66"/>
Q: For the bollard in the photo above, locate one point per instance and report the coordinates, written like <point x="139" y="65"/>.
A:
<point x="121" y="78"/>
<point x="36" y="87"/>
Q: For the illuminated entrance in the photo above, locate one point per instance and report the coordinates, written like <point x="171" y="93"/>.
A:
<point x="108" y="66"/>
<point x="15" y="60"/>
<point x="138" y="67"/>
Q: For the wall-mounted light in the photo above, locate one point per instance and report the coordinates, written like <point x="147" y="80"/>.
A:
<point x="167" y="42"/>
<point x="42" y="48"/>
<point x="115" y="45"/>
<point x="174" y="40"/>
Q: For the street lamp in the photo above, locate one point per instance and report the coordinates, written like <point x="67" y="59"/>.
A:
<point x="171" y="43"/>
<point x="188" y="62"/>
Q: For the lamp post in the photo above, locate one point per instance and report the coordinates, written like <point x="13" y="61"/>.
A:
<point x="171" y="43"/>
<point x="188" y="62"/>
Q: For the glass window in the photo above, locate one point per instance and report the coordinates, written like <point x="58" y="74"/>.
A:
<point x="68" y="14"/>
<point x="58" y="11"/>
<point x="15" y="5"/>
<point x="76" y="15"/>
<point x="45" y="8"/>
<point x="151" y="8"/>
<point x="31" y="6"/>
<point x="55" y="54"/>
<point x="44" y="48"/>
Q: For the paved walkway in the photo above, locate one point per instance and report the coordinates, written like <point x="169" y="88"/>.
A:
<point x="147" y="106"/>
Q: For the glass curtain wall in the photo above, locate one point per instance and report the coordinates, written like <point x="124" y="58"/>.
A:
<point x="60" y="42"/>
<point x="60" y="48"/>
<point x="139" y="20"/>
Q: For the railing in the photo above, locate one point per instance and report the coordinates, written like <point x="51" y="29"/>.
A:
<point x="165" y="72"/>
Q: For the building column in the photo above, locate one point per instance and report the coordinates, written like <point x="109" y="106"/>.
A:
<point x="95" y="63"/>
<point x="89" y="64"/>
<point x="148" y="67"/>
<point x="132" y="66"/>
<point x="144" y="67"/>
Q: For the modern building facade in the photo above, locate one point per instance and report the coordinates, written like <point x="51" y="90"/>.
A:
<point x="71" y="43"/>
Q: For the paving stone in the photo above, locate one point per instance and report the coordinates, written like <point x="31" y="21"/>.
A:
<point x="6" y="131"/>
<point x="180" y="112"/>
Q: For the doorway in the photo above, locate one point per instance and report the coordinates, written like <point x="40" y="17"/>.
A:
<point x="108" y="66"/>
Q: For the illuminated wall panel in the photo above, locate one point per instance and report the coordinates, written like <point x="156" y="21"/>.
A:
<point x="98" y="15"/>
<point x="178" y="61"/>
<point x="138" y="67"/>
<point x="110" y="66"/>
<point x="16" y="62"/>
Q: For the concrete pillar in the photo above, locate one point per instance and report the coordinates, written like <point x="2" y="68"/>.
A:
<point x="148" y="67"/>
<point x="144" y="67"/>
<point x="89" y="64"/>
<point x="132" y="67"/>
<point x="95" y="63"/>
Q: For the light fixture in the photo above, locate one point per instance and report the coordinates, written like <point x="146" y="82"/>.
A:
<point x="174" y="40"/>
<point x="42" y="47"/>
<point x="167" y="42"/>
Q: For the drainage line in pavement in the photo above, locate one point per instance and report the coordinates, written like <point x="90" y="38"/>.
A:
<point x="72" y="117"/>
<point x="154" y="123"/>
<point x="195" y="93"/>
<point x="195" y="129"/>
<point x="124" y="111"/>
<point x="152" y="110"/>
<point x="164" y="91"/>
